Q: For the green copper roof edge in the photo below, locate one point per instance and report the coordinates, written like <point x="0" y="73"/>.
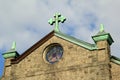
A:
<point x="115" y="60"/>
<point x="11" y="55"/>
<point x="110" y="37"/>
<point x="10" y="51"/>
<point x="101" y="37"/>
<point x="101" y="34"/>
<point x="77" y="41"/>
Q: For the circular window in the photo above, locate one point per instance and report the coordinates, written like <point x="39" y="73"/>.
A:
<point x="54" y="53"/>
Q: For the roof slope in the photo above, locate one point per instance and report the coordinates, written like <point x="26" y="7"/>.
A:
<point x="47" y="37"/>
<point x="76" y="41"/>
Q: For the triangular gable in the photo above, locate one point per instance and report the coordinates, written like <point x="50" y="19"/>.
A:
<point x="47" y="37"/>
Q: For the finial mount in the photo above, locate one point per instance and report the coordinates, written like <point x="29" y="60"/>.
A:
<point x="57" y="18"/>
<point x="13" y="45"/>
<point x="101" y="27"/>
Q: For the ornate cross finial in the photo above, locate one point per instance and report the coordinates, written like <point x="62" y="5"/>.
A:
<point x="57" y="18"/>
<point x="101" y="27"/>
<point x="13" y="45"/>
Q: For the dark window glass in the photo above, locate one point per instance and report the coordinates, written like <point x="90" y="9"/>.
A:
<point x="54" y="53"/>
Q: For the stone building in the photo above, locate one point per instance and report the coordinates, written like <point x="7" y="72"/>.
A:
<point x="58" y="56"/>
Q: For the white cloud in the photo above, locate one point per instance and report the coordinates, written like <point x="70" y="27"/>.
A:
<point x="25" y="21"/>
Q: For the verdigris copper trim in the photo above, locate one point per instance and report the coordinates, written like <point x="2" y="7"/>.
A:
<point x="115" y="60"/>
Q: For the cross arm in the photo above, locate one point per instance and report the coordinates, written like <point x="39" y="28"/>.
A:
<point x="51" y="21"/>
<point x="62" y="19"/>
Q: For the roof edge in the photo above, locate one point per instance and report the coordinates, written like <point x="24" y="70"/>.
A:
<point x="32" y="48"/>
<point x="76" y="41"/>
<point x="115" y="60"/>
<point x="71" y="39"/>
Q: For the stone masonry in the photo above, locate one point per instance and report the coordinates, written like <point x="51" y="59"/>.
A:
<point x="77" y="63"/>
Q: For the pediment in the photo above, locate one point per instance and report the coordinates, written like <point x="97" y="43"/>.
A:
<point x="71" y="39"/>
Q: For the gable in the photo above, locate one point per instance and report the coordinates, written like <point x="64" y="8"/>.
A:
<point x="71" y="39"/>
<point x="73" y="55"/>
<point x="78" y="57"/>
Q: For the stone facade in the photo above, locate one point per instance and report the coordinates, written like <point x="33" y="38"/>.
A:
<point x="77" y="63"/>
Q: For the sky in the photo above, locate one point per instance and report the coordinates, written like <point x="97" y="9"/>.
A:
<point x="26" y="21"/>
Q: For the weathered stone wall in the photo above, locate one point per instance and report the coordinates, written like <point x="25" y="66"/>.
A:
<point x="115" y="70"/>
<point x="77" y="63"/>
<point x="7" y="70"/>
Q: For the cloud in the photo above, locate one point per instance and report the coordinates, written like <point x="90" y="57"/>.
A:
<point x="25" y="21"/>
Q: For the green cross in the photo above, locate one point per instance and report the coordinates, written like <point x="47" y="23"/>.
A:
<point x="57" y="18"/>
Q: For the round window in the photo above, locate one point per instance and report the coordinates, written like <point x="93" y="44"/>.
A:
<point x="54" y="53"/>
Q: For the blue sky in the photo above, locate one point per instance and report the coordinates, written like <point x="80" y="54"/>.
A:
<point x="26" y="21"/>
<point x="1" y="62"/>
